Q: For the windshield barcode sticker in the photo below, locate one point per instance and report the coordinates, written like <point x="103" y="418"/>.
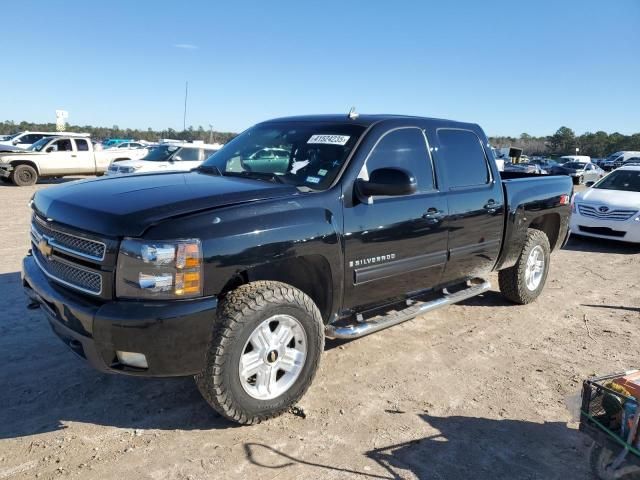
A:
<point x="329" y="139"/>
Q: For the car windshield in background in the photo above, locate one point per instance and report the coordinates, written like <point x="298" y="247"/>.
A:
<point x="575" y="165"/>
<point x="160" y="154"/>
<point x="303" y="154"/>
<point x="625" y="180"/>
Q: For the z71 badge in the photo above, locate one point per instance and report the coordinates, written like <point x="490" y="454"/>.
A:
<point x="372" y="260"/>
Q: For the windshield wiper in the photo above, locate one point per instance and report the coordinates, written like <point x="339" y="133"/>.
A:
<point x="272" y="177"/>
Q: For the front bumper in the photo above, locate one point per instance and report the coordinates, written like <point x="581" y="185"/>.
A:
<point x="5" y="170"/>
<point x="174" y="336"/>
<point x="626" y="231"/>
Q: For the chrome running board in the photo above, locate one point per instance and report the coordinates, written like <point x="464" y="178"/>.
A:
<point x="360" y="329"/>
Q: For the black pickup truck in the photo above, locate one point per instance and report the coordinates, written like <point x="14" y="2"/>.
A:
<point x="299" y="228"/>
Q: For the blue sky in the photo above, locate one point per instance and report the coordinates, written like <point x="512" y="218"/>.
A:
<point x="511" y="66"/>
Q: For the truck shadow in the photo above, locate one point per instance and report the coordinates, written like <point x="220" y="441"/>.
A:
<point x="458" y="447"/>
<point x="45" y="385"/>
<point x="596" y="245"/>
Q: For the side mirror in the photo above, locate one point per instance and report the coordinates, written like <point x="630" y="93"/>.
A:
<point x="386" y="181"/>
<point x="15" y="142"/>
<point x="177" y="158"/>
<point x="50" y="149"/>
<point x="589" y="184"/>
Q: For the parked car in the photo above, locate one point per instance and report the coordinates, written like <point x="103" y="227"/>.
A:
<point x="580" y="172"/>
<point x="545" y="163"/>
<point x="616" y="159"/>
<point x="165" y="158"/>
<point x="611" y="207"/>
<point x="112" y="142"/>
<point x="525" y="167"/>
<point x="26" y="139"/>
<point x="126" y="145"/>
<point x="58" y="157"/>
<point x="236" y="276"/>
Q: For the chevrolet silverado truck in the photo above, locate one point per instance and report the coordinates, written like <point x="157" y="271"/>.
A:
<point x="236" y="272"/>
<point x="58" y="157"/>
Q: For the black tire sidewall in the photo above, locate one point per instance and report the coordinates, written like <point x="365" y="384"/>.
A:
<point x="256" y="407"/>
<point x="16" y="175"/>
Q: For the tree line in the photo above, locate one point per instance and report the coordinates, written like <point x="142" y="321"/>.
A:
<point x="101" y="133"/>
<point x="563" y="142"/>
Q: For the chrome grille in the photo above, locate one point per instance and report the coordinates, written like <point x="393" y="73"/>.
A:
<point x="83" y="247"/>
<point x="594" y="212"/>
<point x="70" y="275"/>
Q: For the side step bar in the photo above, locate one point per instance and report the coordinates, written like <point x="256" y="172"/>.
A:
<point x="360" y="329"/>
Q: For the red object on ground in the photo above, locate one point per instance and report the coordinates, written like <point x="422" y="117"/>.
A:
<point x="631" y="382"/>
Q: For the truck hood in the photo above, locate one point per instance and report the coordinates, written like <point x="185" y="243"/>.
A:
<point x="128" y="205"/>
<point x="614" y="199"/>
<point x="9" y="156"/>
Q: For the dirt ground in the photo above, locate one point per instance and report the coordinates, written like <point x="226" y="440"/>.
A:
<point x="476" y="390"/>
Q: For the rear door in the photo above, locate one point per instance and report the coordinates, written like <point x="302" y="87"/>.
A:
<point x="395" y="245"/>
<point x="82" y="158"/>
<point x="476" y="202"/>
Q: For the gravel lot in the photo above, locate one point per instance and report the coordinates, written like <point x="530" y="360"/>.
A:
<point x="476" y="390"/>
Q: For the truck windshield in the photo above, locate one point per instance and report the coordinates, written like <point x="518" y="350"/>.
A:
<point x="625" y="180"/>
<point x="39" y="145"/>
<point x="304" y="154"/>
<point x="161" y="153"/>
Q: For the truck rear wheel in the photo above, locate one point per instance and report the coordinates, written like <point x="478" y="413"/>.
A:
<point x="24" y="175"/>
<point x="264" y="353"/>
<point x="524" y="282"/>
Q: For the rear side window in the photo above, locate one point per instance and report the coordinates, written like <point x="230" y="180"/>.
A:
<point x="82" y="145"/>
<point x="405" y="148"/>
<point x="462" y="157"/>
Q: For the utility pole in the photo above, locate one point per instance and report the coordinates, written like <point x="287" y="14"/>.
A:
<point x="184" y="117"/>
<point x="210" y="134"/>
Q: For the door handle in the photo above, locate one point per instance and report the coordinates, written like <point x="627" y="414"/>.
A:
<point x="491" y="206"/>
<point x="433" y="214"/>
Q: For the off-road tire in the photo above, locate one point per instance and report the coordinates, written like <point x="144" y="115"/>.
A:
<point x="512" y="280"/>
<point x="24" y="175"/>
<point x="240" y="312"/>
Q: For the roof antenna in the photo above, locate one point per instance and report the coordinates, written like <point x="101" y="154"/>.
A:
<point x="353" y="114"/>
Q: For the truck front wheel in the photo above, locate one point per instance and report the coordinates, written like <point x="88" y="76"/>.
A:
<point x="265" y="350"/>
<point x="24" y="175"/>
<point x="524" y="282"/>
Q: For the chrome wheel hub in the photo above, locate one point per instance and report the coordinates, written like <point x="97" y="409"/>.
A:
<point x="535" y="268"/>
<point x="273" y="357"/>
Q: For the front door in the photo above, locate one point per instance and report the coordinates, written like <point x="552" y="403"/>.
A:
<point x="476" y="202"/>
<point x="395" y="245"/>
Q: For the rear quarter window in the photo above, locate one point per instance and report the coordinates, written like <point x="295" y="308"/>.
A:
<point x="462" y="158"/>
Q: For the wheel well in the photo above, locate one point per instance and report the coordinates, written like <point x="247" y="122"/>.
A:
<point x="311" y="274"/>
<point x="15" y="163"/>
<point x="550" y="225"/>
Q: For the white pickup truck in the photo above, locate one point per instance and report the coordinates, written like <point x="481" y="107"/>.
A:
<point x="59" y="157"/>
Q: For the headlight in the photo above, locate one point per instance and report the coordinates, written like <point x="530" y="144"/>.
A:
<point x="129" y="169"/>
<point x="160" y="270"/>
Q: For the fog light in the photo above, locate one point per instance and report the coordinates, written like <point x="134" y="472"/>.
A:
<point x="132" y="359"/>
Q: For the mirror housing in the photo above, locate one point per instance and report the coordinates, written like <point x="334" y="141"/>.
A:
<point x="589" y="184"/>
<point x="50" y="149"/>
<point x="387" y="181"/>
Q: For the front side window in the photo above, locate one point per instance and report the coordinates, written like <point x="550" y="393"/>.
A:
<point x="62" y="145"/>
<point x="404" y="148"/>
<point x="304" y="154"/>
<point x="462" y="157"/>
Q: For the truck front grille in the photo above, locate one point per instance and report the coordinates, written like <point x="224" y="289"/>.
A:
<point x="617" y="215"/>
<point x="68" y="274"/>
<point x="82" y="247"/>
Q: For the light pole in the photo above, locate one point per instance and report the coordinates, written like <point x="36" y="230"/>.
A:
<point x="210" y="134"/>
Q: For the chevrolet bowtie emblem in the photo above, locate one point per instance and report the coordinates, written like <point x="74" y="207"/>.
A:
<point x="45" y="248"/>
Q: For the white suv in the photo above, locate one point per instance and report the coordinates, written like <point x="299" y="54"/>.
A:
<point x="26" y="139"/>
